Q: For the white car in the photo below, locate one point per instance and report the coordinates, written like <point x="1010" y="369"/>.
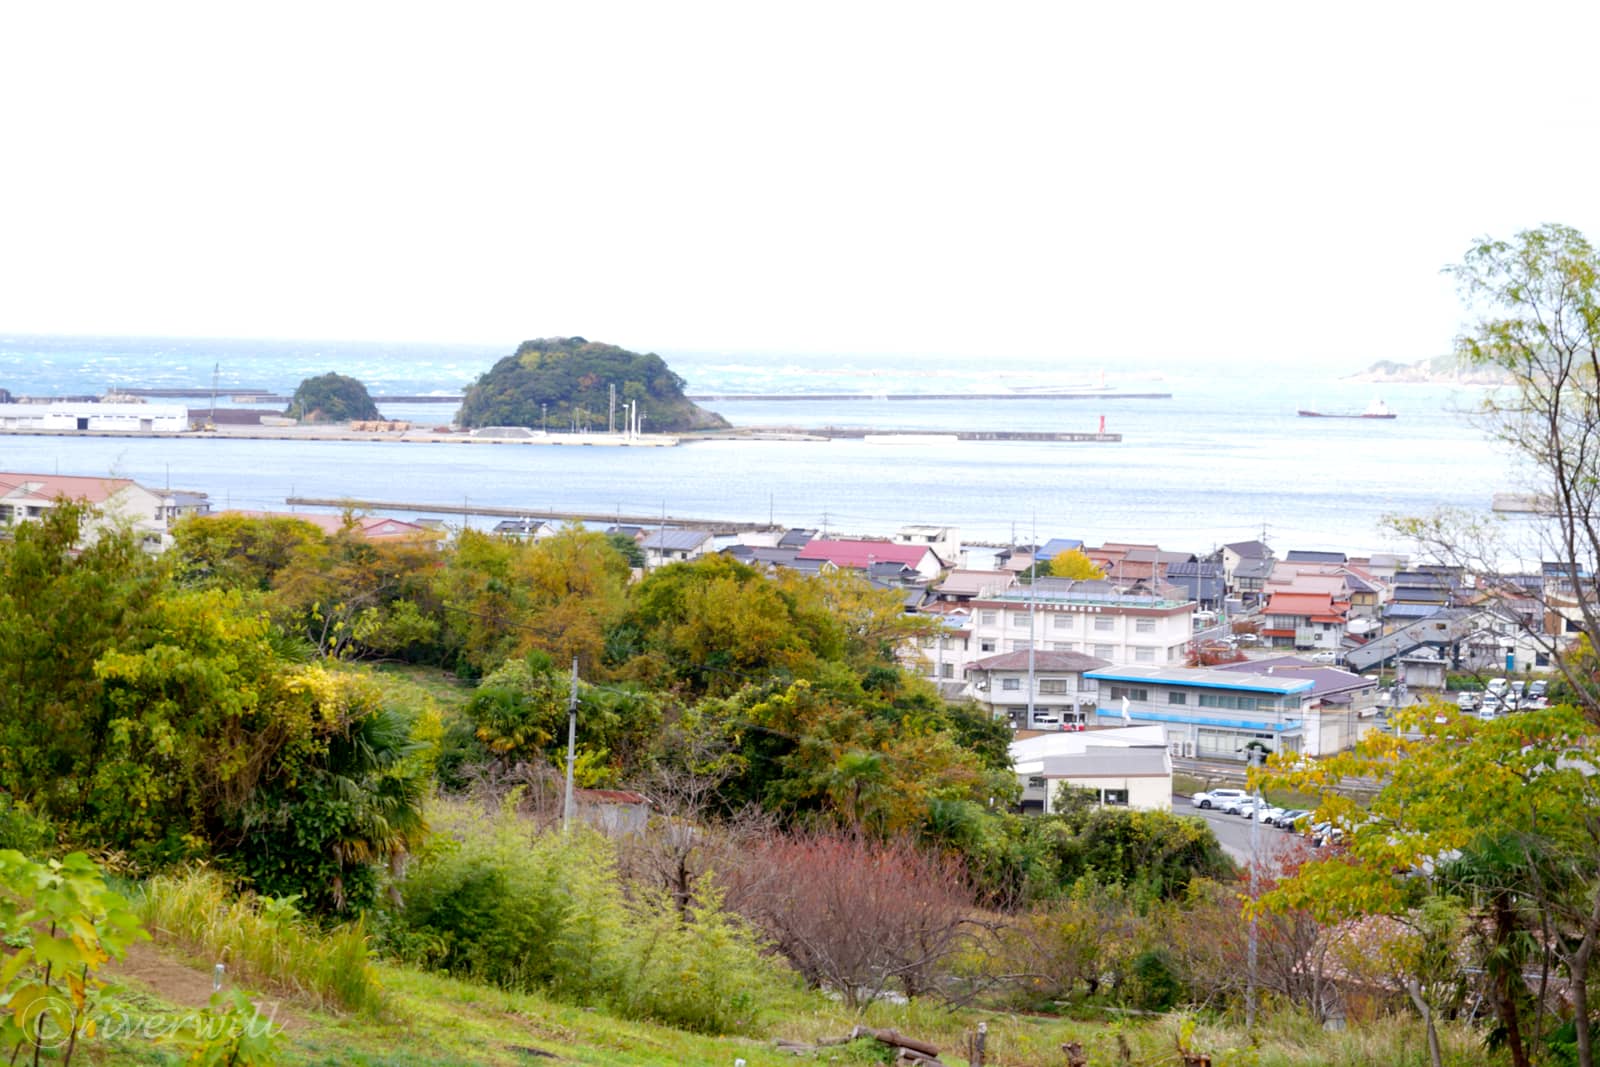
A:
<point x="1216" y="798"/>
<point x="1269" y="814"/>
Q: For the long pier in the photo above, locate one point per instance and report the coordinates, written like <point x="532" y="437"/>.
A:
<point x="697" y="397"/>
<point x="718" y="526"/>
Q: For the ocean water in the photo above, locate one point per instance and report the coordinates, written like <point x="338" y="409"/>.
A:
<point x="1225" y="458"/>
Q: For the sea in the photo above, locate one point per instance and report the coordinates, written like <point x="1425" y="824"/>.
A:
<point x="1223" y="457"/>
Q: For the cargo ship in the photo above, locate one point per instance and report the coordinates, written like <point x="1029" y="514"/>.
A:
<point x="1377" y="410"/>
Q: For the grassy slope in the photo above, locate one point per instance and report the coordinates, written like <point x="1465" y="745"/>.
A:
<point x="436" y="1020"/>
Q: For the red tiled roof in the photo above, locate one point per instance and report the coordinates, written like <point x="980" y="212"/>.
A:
<point x="64" y="486"/>
<point x="861" y="553"/>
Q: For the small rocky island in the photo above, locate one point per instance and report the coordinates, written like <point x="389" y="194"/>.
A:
<point x="562" y="383"/>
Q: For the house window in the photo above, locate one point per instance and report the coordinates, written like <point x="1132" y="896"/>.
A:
<point x="1019" y="618"/>
<point x="1117" y="692"/>
<point x="1021" y="645"/>
<point x="1036" y="781"/>
<point x="1227" y="700"/>
<point x="947" y="670"/>
<point x="1144" y="655"/>
<point x="1011" y="685"/>
<point x="1104" y="623"/>
<point x="1177" y="698"/>
<point x="1061" y="622"/>
<point x="988" y="618"/>
<point x="1063" y="646"/>
<point x="986" y="645"/>
<point x="1053" y="687"/>
<point x="1105" y="651"/>
<point x="1144" y="626"/>
<point x="1117" y="797"/>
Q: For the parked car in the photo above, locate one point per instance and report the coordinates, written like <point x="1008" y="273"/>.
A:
<point x="1046" y="720"/>
<point x="1215" y="798"/>
<point x="1324" y="657"/>
<point x="1269" y="814"/>
<point x="1291" y="819"/>
<point x="1539" y="689"/>
<point x="1244" y="806"/>
<point x="1248" y="639"/>
<point x="1467" y="700"/>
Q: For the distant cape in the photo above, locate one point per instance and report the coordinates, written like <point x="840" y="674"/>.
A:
<point x="1440" y="370"/>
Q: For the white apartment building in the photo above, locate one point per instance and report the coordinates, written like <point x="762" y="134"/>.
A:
<point x="1059" y="615"/>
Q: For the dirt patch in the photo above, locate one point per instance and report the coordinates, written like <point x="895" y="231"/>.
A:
<point x="187" y="986"/>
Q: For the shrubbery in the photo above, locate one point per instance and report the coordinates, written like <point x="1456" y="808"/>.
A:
<point x="491" y="900"/>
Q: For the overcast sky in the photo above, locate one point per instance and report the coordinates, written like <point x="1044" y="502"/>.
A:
<point x="1105" y="181"/>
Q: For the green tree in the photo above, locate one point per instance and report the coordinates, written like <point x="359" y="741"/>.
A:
<point x="1517" y="791"/>
<point x="1076" y="564"/>
<point x="1534" y="303"/>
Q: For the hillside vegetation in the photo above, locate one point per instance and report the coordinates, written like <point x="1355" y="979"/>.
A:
<point x="331" y="398"/>
<point x="564" y="383"/>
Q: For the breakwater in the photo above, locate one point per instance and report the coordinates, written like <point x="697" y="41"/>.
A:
<point x="716" y="526"/>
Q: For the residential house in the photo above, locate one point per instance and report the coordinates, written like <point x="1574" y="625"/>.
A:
<point x="1300" y="556"/>
<point x="520" y="529"/>
<point x="1200" y="581"/>
<point x="1305" y="620"/>
<point x="115" y="502"/>
<point x="1091" y="617"/>
<point x="945" y="541"/>
<point x="1051" y="683"/>
<point x="961" y="586"/>
<point x="1127" y="767"/>
<point x="1208" y="713"/>
<point x="861" y="554"/>
<point x="365" y="527"/>
<point x="1237" y="553"/>
<point x="672" y="545"/>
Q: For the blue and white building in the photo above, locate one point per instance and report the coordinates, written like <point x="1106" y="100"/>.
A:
<point x="1207" y="713"/>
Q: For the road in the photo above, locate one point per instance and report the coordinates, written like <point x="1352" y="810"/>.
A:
<point x="1234" y="832"/>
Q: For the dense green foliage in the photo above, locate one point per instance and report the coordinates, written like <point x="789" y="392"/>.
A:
<point x="564" y="383"/>
<point x="495" y="903"/>
<point x="331" y="398"/>
<point x="183" y="723"/>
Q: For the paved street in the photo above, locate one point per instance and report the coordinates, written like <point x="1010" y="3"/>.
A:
<point x="1234" y="832"/>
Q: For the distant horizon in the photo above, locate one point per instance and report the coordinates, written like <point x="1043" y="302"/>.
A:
<point x="1165" y="363"/>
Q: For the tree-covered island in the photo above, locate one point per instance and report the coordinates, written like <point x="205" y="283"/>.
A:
<point x="565" y="382"/>
<point x="331" y="398"/>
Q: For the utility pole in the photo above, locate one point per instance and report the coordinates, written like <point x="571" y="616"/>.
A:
<point x="572" y="746"/>
<point x="611" y="411"/>
<point x="1033" y="622"/>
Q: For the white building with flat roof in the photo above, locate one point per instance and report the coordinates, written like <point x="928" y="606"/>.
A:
<point x="68" y="416"/>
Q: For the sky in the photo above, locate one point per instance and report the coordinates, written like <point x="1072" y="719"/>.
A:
<point x="1271" y="183"/>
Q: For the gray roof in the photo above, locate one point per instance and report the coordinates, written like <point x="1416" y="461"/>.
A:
<point x="1250" y="549"/>
<point x="1324" y="680"/>
<point x="1253" y="568"/>
<point x="1301" y="556"/>
<point x="1043" y="660"/>
<point x="675" y="540"/>
<point x="1109" y="761"/>
<point x="796" y="538"/>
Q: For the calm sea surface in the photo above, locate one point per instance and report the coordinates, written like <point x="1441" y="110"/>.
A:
<point x="1223" y="459"/>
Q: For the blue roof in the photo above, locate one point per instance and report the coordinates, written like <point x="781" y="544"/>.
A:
<point x="1202" y="678"/>
<point x="1055" y="546"/>
<point x="1201" y="720"/>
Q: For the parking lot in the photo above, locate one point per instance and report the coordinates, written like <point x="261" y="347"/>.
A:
<point x="1234" y="832"/>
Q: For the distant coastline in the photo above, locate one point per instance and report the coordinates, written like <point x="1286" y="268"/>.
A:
<point x="1436" y="370"/>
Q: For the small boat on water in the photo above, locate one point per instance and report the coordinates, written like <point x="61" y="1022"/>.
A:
<point x="1376" y="410"/>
